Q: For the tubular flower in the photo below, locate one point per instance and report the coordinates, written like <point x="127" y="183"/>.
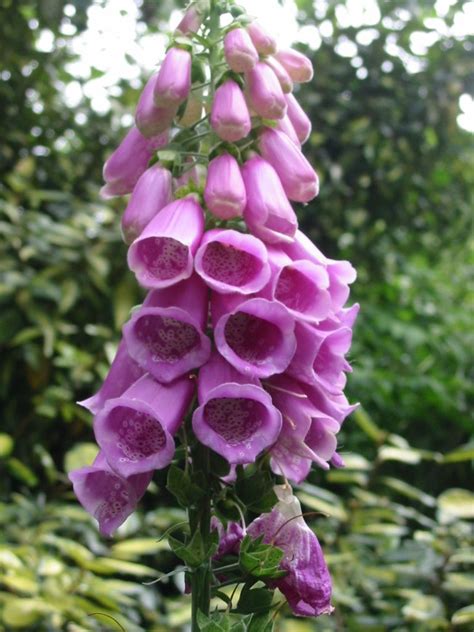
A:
<point x="107" y="496"/>
<point x="297" y="65"/>
<point x="163" y="254"/>
<point x="230" y="117"/>
<point x="299" y="180"/>
<point x="307" y="584"/>
<point x="125" y="166"/>
<point x="152" y="192"/>
<point x="240" y="53"/>
<point x="166" y="335"/>
<point x="225" y="194"/>
<point x="268" y="213"/>
<point x="263" y="41"/>
<point x="283" y="77"/>
<point x="135" y="431"/>
<point x="150" y="119"/>
<point x="173" y="83"/>
<point x="298" y="118"/>
<point x="266" y="95"/>
<point x="229" y="261"/>
<point x="235" y="417"/>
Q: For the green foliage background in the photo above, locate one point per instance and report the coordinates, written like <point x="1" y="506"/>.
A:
<point x="397" y="183"/>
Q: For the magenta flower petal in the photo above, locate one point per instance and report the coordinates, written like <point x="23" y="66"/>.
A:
<point x="284" y="125"/>
<point x="225" y="194"/>
<point x="341" y="273"/>
<point x="268" y="213"/>
<point x="173" y="83"/>
<point x="263" y="41"/>
<point x="230" y="261"/>
<point x="122" y="374"/>
<point x="163" y="254"/>
<point x="297" y="176"/>
<point x="297" y="65"/>
<point x="299" y="119"/>
<point x="302" y="286"/>
<point x="108" y="497"/>
<point x="334" y="405"/>
<point x="229" y="538"/>
<point x="124" y="167"/>
<point x="256" y="336"/>
<point x="166" y="335"/>
<point x="236" y="417"/>
<point x="150" y="119"/>
<point x="240" y="53"/>
<point x="307" y="584"/>
<point x="283" y="77"/>
<point x="152" y="192"/>
<point x="265" y="92"/>
<point x="191" y="21"/>
<point x="230" y="116"/>
<point x="135" y="430"/>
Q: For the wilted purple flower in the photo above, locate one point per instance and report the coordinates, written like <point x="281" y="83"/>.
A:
<point x="341" y="273"/>
<point x="124" y="167"/>
<point x="297" y="176"/>
<point x="152" y="192"/>
<point x="307" y="584"/>
<point x="150" y="119"/>
<point x="266" y="95"/>
<point x="106" y="495"/>
<point x="230" y="261"/>
<point x="135" y="431"/>
<point x="236" y="417"/>
<point x="173" y="83"/>
<point x="299" y="119"/>
<point x="320" y="356"/>
<point x="302" y="286"/>
<point x="224" y="193"/>
<point x="240" y="53"/>
<point x="163" y="254"/>
<point x="297" y="65"/>
<point x="268" y="213"/>
<point x="283" y="77"/>
<point x="191" y="21"/>
<point x="263" y="41"/>
<point x="166" y="335"/>
<point x="123" y="373"/>
<point x="230" y="116"/>
<point x="256" y="336"/>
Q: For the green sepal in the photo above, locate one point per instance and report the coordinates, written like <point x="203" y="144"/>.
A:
<point x="260" y="560"/>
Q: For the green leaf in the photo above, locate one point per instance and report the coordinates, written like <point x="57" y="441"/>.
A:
<point x="193" y="551"/>
<point x="24" y="613"/>
<point x="464" y="616"/>
<point x="256" y="491"/>
<point x="130" y="549"/>
<point x="19" y="470"/>
<point x="217" y="622"/>
<point x="455" y="503"/>
<point x="6" y="445"/>
<point x="260" y="560"/>
<point x="180" y="485"/>
<point x="80" y="455"/>
<point x="255" y="600"/>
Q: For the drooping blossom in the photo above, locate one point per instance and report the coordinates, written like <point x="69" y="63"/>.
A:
<point x="266" y="95"/>
<point x="173" y="83"/>
<point x="149" y="118"/>
<point x="299" y="119"/>
<point x="235" y="417"/>
<point x="191" y="21"/>
<point x="229" y="261"/>
<point x="285" y="125"/>
<point x="163" y="254"/>
<point x="152" y="192"/>
<point x="263" y="41"/>
<point x="297" y="65"/>
<point x="307" y="584"/>
<point x="283" y="77"/>
<point x="107" y="496"/>
<point x="230" y="117"/>
<point x="240" y="53"/>
<point x="166" y="336"/>
<point x="135" y="431"/>
<point x="255" y="335"/>
<point x="225" y="194"/>
<point x="127" y="163"/>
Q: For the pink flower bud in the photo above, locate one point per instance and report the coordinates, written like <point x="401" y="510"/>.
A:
<point x="298" y="118"/>
<point x="174" y="79"/>
<point x="297" y="65"/>
<point x="283" y="77"/>
<point x="225" y="193"/>
<point x="285" y="126"/>
<point x="150" y="119"/>
<point x="265" y="92"/>
<point x="297" y="176"/>
<point x="230" y="116"/>
<point x="190" y="22"/>
<point x="263" y="42"/>
<point x="151" y="193"/>
<point x="240" y="53"/>
<point x="163" y="254"/>
<point x="129" y="161"/>
<point x="268" y="213"/>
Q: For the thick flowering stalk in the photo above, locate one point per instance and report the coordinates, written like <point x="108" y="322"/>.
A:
<point x="231" y="373"/>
